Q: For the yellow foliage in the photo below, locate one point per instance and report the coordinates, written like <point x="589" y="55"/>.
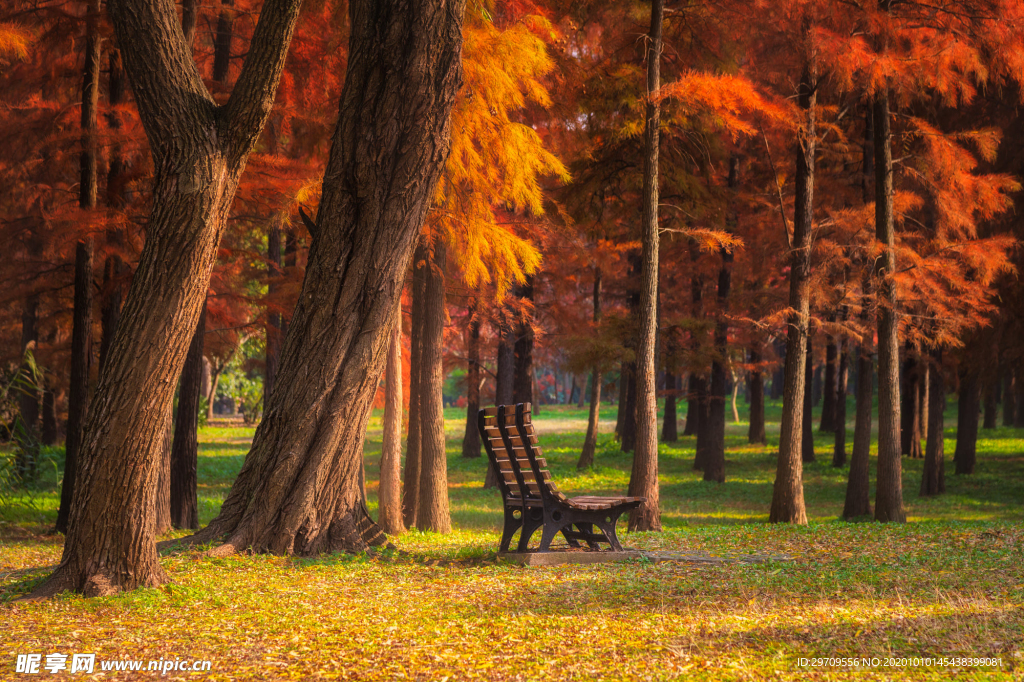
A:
<point x="14" y="41"/>
<point x="495" y="162"/>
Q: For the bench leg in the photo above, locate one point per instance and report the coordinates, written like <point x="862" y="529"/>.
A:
<point x="530" y="524"/>
<point x="549" y="533"/>
<point x="588" y="531"/>
<point x="609" y="532"/>
<point x="512" y="524"/>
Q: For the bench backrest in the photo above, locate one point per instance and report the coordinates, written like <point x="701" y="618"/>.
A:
<point x="494" y="423"/>
<point x="525" y="441"/>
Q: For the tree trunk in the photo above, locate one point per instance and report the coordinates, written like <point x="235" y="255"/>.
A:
<point x="471" y="441"/>
<point x="414" y="439"/>
<point x="842" y="377"/>
<point x="185" y="447"/>
<point x="162" y="496"/>
<point x="889" y="490"/>
<point x="389" y="497"/>
<point x="50" y="433"/>
<point x="828" y="405"/>
<point x="933" y="481"/>
<point x="967" y="422"/>
<point x="788" y="490"/>
<point x="522" y="382"/>
<point x="81" y="359"/>
<point x="199" y="150"/>
<point x="643" y="480"/>
<point x="922" y="397"/>
<point x="807" y="426"/>
<point x="858" y="495"/>
<point x="433" y="498"/>
<point x="590" y="441"/>
<point x="670" y="420"/>
<point x="910" y="416"/>
<point x="756" y="432"/>
<point x="1018" y="420"/>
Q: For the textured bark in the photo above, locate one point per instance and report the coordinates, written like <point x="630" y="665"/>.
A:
<point x="643" y="480"/>
<point x="162" y="496"/>
<point x="828" y="405"/>
<point x="298" y="491"/>
<point x="81" y="359"/>
<point x="433" y="512"/>
<point x="414" y="439"/>
<point x="590" y="440"/>
<point x="522" y="382"/>
<point x="199" y="150"/>
<point x="756" y="432"/>
<point x="967" y="422"/>
<point x="842" y="377"/>
<point x="889" y="489"/>
<point x="788" y="490"/>
<point x="807" y="425"/>
<point x="390" y="493"/>
<point x="933" y="480"/>
<point x="185" y="446"/>
<point x="273" y="327"/>
<point x="910" y="415"/>
<point x="471" y="441"/>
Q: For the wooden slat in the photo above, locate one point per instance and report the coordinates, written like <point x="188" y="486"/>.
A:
<point x="490" y="411"/>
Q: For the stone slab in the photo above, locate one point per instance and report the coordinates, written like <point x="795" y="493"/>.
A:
<point x="557" y="558"/>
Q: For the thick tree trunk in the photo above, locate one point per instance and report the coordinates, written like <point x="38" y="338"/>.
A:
<point x="967" y="422"/>
<point x="199" y="150"/>
<point x="788" y="491"/>
<point x="828" y="405"/>
<point x="910" y="416"/>
<point x="590" y="441"/>
<point x="388" y="151"/>
<point x="433" y="498"/>
<point x="471" y="441"/>
<point x="643" y="480"/>
<point x="933" y="480"/>
<point x="414" y="438"/>
<point x="807" y="426"/>
<point x="889" y="490"/>
<point x="522" y="382"/>
<point x="756" y="432"/>
<point x="389" y="497"/>
<point x="185" y="447"/>
<point x="842" y="377"/>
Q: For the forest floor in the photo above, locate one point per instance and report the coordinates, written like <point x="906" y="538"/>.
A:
<point x="947" y="585"/>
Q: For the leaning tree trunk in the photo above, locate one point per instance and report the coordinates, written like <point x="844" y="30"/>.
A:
<point x="185" y="447"/>
<point x="643" y="480"/>
<point x="81" y="326"/>
<point x="590" y="441"/>
<point x="788" y="491"/>
<point x="389" y="497"/>
<point x="967" y="422"/>
<point x="298" y="491"/>
<point x="433" y="510"/>
<point x="756" y="432"/>
<point x="933" y="480"/>
<point x="471" y="441"/>
<point x="414" y="439"/>
<point x="889" y="490"/>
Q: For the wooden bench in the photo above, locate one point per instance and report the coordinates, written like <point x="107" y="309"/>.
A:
<point x="531" y="498"/>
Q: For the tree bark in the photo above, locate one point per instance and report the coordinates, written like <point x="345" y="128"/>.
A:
<point x="590" y="441"/>
<point x="807" y="426"/>
<point x="889" y="489"/>
<point x="185" y="447"/>
<point x="828" y="405"/>
<point x="933" y="480"/>
<point x="471" y="441"/>
<point x="389" y="516"/>
<point x="433" y="512"/>
<point x="414" y="438"/>
<point x="910" y="416"/>
<point x="788" y="490"/>
<point x="643" y="480"/>
<point x="199" y="150"/>
<point x="756" y="432"/>
<point x="162" y="495"/>
<point x="967" y="422"/>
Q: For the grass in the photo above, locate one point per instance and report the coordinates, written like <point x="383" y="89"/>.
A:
<point x="950" y="583"/>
